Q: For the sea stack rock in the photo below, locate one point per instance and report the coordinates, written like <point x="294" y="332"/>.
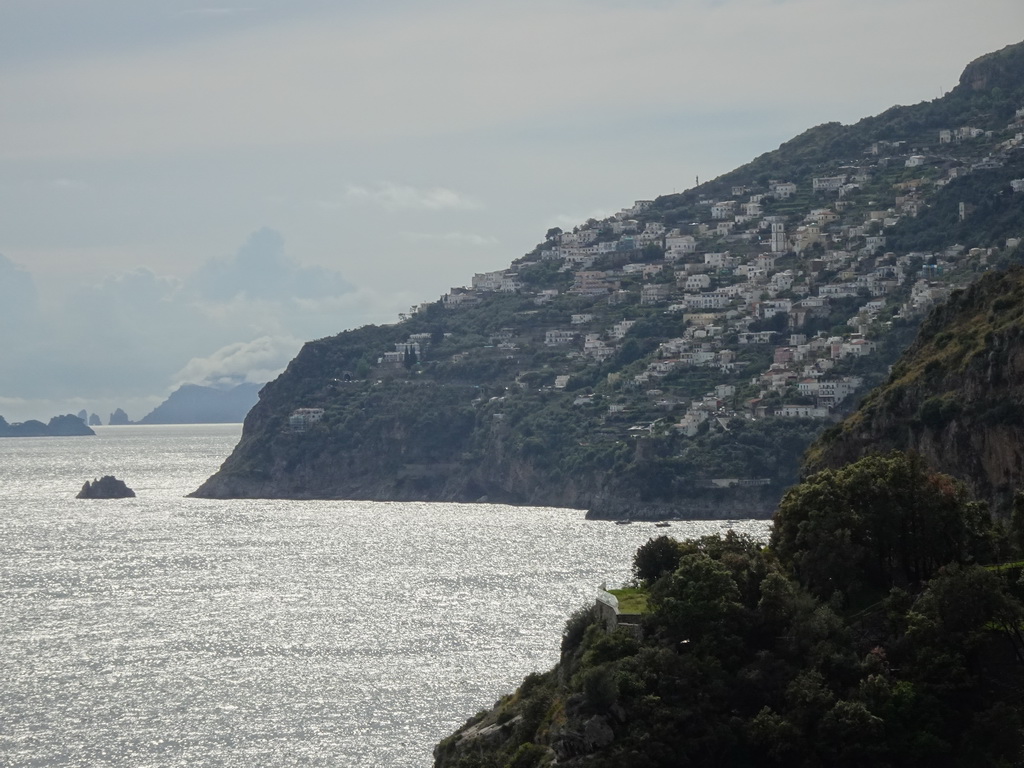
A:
<point x="107" y="487"/>
<point x="119" y="418"/>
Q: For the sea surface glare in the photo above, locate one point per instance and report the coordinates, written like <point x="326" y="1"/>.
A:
<point x="168" y="631"/>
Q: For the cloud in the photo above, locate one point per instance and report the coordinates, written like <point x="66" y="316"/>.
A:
<point x="261" y="270"/>
<point x="255" y="361"/>
<point x="131" y="334"/>
<point x="423" y="70"/>
<point x="462" y="238"/>
<point x="399" y="196"/>
<point x="121" y="332"/>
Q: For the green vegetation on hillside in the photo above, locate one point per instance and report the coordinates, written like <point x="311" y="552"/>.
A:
<point x="867" y="633"/>
<point x="955" y="395"/>
<point x="883" y="623"/>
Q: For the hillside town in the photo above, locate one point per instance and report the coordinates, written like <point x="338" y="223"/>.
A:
<point x="676" y="358"/>
<point x="768" y="266"/>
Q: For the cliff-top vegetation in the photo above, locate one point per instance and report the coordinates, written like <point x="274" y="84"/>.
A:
<point x="871" y="630"/>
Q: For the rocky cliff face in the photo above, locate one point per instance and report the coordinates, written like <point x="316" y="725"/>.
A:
<point x="999" y="69"/>
<point x="394" y="461"/>
<point x="956" y="396"/>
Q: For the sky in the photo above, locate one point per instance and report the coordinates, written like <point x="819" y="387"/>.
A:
<point x="188" y="192"/>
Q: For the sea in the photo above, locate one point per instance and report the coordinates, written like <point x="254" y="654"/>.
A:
<point x="170" y="631"/>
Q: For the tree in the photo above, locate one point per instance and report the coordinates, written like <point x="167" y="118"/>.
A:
<point x="699" y="603"/>
<point x="883" y="521"/>
<point x="656" y="558"/>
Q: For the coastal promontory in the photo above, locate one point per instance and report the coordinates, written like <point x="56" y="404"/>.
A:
<point x="676" y="358"/>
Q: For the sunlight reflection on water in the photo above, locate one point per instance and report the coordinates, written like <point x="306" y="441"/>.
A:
<point x="166" y="631"/>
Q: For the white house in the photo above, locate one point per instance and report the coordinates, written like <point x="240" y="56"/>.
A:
<point x="782" y="190"/>
<point x="712" y="300"/>
<point x="696" y="283"/>
<point x="620" y="329"/>
<point x="488" y="281"/>
<point x="554" y="338"/>
<point x="723" y="210"/>
<point x="802" y="412"/>
<point x="653" y="293"/>
<point x="680" y="244"/>
<point x="828" y="183"/>
<point x="720" y="260"/>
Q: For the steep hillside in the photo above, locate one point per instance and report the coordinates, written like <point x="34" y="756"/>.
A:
<point x="674" y="359"/>
<point x="845" y="643"/>
<point x="956" y="397"/>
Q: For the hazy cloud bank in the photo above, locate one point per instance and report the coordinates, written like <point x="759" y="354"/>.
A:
<point x="261" y="270"/>
<point x="137" y="335"/>
<point x="401" y="196"/>
<point x="256" y="361"/>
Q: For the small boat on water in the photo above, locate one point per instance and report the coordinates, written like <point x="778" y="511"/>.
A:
<point x="662" y="525"/>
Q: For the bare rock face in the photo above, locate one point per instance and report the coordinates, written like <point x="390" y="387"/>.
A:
<point x="107" y="487"/>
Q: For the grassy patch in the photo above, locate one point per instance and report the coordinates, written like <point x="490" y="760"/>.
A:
<point x="1016" y="564"/>
<point x="631" y="599"/>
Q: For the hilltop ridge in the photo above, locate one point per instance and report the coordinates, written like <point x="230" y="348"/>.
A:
<point x="674" y="359"/>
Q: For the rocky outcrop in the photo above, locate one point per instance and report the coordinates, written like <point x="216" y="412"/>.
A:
<point x="394" y="464"/>
<point x="107" y="487"/>
<point x="119" y="418"/>
<point x="956" y="397"/>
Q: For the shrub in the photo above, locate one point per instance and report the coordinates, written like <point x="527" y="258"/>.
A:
<point x="576" y="627"/>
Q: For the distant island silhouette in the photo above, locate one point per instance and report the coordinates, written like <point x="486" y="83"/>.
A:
<point x="196" y="404"/>
<point x="67" y="425"/>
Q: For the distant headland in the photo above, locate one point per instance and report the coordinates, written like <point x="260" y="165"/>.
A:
<point x="67" y="425"/>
